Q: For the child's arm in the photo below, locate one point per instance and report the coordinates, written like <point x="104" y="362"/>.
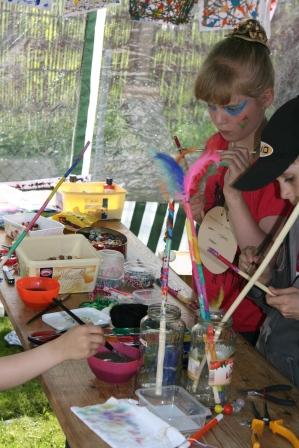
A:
<point x="246" y="230"/>
<point x="79" y="342"/>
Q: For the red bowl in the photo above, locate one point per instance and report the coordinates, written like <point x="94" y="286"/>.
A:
<point x="37" y="292"/>
<point x="116" y="372"/>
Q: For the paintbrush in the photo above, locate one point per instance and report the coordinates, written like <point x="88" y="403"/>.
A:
<point x="48" y="308"/>
<point x="77" y="319"/>
<point x="234" y="268"/>
<point x="39" y="212"/>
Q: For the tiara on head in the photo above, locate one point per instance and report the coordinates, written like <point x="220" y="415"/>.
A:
<point x="250" y="30"/>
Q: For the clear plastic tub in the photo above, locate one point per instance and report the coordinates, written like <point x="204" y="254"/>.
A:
<point x="15" y="224"/>
<point x="147" y="296"/>
<point x="175" y="406"/>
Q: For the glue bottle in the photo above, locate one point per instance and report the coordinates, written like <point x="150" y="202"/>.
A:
<point x="109" y="186"/>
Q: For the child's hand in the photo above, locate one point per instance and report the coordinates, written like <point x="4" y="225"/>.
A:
<point x="286" y="301"/>
<point x="197" y="206"/>
<point x="237" y="160"/>
<point x="80" y="342"/>
<point x="248" y="262"/>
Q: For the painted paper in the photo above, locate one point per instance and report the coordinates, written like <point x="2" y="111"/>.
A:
<point x="78" y="7"/>
<point x="122" y="423"/>
<point x="42" y="4"/>
<point x="226" y="14"/>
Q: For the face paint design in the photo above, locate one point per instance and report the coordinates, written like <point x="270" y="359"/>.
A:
<point x="243" y="123"/>
<point x="235" y="109"/>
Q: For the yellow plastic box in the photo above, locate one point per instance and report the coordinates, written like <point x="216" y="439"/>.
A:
<point x="90" y="198"/>
<point x="77" y="274"/>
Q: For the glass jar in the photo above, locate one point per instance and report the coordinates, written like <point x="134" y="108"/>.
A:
<point x="210" y="361"/>
<point x="149" y="344"/>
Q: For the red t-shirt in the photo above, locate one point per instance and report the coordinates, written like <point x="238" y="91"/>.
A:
<point x="261" y="203"/>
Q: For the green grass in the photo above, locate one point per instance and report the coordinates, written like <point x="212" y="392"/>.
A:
<point x="26" y="420"/>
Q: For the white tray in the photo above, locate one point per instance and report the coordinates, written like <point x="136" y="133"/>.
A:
<point x="62" y="321"/>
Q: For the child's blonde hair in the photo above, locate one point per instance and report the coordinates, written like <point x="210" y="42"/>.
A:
<point x="239" y="64"/>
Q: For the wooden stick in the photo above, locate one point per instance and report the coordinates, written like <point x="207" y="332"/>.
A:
<point x="235" y="268"/>
<point x="278" y="241"/>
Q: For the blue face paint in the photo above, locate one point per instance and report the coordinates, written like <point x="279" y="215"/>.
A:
<point x="235" y="109"/>
<point x="231" y="109"/>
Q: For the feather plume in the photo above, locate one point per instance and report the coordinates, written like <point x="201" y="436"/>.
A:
<point x="174" y="174"/>
<point x="198" y="170"/>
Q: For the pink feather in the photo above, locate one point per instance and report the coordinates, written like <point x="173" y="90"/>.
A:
<point x="197" y="170"/>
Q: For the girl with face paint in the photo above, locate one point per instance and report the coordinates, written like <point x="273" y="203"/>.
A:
<point x="236" y="82"/>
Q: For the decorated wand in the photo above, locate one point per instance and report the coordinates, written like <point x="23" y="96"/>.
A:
<point x="164" y="289"/>
<point x="179" y="186"/>
<point x="39" y="212"/>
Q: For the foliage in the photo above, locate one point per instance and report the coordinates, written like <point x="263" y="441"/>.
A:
<point x="26" y="418"/>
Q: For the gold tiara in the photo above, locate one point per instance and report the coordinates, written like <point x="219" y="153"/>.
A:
<point x="252" y="31"/>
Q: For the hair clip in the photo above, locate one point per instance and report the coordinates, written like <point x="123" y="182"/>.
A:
<point x="252" y="31"/>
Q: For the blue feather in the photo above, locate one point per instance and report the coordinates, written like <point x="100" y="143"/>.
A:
<point x="174" y="173"/>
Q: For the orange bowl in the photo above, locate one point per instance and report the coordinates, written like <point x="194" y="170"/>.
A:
<point x="37" y="292"/>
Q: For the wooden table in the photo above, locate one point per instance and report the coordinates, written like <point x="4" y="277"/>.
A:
<point x="73" y="384"/>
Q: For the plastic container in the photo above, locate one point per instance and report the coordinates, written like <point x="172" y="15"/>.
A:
<point x="214" y="341"/>
<point x="74" y="263"/>
<point x="105" y="238"/>
<point x="115" y="372"/>
<point x="13" y="225"/>
<point x="139" y="275"/>
<point x="90" y="198"/>
<point x="175" y="406"/>
<point x="37" y="292"/>
<point x="149" y="345"/>
<point x="147" y="296"/>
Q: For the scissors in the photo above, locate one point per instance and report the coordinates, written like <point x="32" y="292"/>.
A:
<point x="276" y="426"/>
<point x="265" y="393"/>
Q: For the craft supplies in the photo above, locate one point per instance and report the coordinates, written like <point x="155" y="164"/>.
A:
<point x="237" y="270"/>
<point x="111" y="269"/>
<point x="214" y="379"/>
<point x="36" y="292"/>
<point x="114" y="369"/>
<point x="43" y="207"/>
<point x="209" y="425"/>
<point x="121" y="423"/>
<point x="139" y="275"/>
<point x="105" y="238"/>
<point x="128" y="315"/>
<point x="164" y="290"/>
<point x="88" y="197"/>
<point x="176" y="406"/>
<point x="147" y="296"/>
<point x="48" y="308"/>
<point x="78" y="274"/>
<point x="15" y="224"/>
<point x="149" y="343"/>
<point x="215" y="232"/>
<point x="62" y="321"/>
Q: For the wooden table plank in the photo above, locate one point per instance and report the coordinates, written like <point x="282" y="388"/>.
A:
<point x="73" y="384"/>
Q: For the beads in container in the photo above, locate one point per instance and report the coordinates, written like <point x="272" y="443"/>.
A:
<point x="139" y="276"/>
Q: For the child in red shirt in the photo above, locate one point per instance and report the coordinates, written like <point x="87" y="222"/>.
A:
<point x="236" y="81"/>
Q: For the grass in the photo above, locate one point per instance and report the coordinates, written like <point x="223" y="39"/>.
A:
<point x="26" y="420"/>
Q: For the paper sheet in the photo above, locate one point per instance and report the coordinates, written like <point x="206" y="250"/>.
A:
<point x="122" y="423"/>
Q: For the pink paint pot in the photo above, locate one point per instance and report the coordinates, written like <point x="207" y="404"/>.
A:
<point x="116" y="372"/>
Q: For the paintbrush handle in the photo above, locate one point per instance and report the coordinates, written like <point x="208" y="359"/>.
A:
<point x="39" y="212"/>
<point x="69" y="312"/>
<point x="235" y="268"/>
<point x="45" y="310"/>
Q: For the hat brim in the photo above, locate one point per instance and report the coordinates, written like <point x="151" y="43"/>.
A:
<point x="262" y="172"/>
